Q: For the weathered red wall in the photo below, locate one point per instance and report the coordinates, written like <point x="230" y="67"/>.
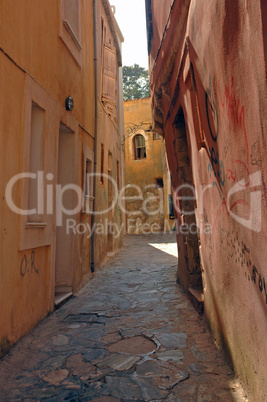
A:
<point x="218" y="77"/>
<point x="160" y="12"/>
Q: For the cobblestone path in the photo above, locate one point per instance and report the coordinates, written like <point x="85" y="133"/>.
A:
<point x="130" y="335"/>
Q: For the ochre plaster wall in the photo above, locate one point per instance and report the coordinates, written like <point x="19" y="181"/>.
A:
<point x="143" y="215"/>
<point x="37" y="66"/>
<point x="109" y="221"/>
<point x="35" y="44"/>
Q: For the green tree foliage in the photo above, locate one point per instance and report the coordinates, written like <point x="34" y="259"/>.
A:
<point x="135" y="82"/>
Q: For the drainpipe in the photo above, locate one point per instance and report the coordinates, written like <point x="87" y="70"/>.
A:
<point x="96" y="130"/>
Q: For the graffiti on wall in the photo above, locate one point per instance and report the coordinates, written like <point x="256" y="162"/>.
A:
<point x="239" y="253"/>
<point x="28" y="265"/>
<point x="235" y="115"/>
<point x="212" y="114"/>
<point x="259" y="280"/>
<point x="216" y="165"/>
<point x="234" y="180"/>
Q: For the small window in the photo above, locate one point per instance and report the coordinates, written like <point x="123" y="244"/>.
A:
<point x="156" y="136"/>
<point x="139" y="147"/>
<point x="110" y="162"/>
<point x="88" y="187"/>
<point x="102" y="164"/>
<point x="87" y="179"/>
<point x="159" y="182"/>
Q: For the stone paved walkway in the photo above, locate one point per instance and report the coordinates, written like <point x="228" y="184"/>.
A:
<point x="130" y="335"/>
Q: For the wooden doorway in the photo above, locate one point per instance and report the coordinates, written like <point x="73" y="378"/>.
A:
<point x="65" y="240"/>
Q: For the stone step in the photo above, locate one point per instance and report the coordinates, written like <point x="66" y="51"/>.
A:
<point x="61" y="297"/>
<point x="196" y="296"/>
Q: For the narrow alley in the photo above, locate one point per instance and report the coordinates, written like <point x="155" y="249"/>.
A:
<point x="129" y="335"/>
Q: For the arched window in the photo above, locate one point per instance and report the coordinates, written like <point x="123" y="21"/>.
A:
<point x="139" y="147"/>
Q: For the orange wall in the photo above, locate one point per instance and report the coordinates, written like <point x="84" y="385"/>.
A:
<point x="35" y="45"/>
<point x="143" y="172"/>
<point x="36" y="64"/>
<point x="40" y="63"/>
<point x="137" y="115"/>
<point x="110" y="134"/>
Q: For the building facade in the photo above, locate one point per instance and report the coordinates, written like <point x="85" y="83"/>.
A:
<point x="148" y="188"/>
<point x="49" y="153"/>
<point x="208" y="86"/>
<point x="108" y="220"/>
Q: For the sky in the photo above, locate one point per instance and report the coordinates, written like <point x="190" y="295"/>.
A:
<point x="130" y="15"/>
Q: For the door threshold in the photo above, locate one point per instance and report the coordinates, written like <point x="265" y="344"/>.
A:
<point x="196" y="296"/>
<point x="61" y="297"/>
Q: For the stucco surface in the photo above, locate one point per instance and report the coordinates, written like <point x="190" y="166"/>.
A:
<point x="42" y="63"/>
<point x="220" y="67"/>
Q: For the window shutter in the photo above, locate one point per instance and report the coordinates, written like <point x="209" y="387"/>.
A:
<point x="109" y="75"/>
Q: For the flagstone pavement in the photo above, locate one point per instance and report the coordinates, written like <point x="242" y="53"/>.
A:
<point x="130" y="334"/>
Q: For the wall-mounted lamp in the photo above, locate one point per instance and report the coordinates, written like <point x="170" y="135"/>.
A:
<point x="69" y="104"/>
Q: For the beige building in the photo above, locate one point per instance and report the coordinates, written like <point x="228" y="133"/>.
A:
<point x="148" y="202"/>
<point x="110" y="161"/>
<point x="61" y="101"/>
